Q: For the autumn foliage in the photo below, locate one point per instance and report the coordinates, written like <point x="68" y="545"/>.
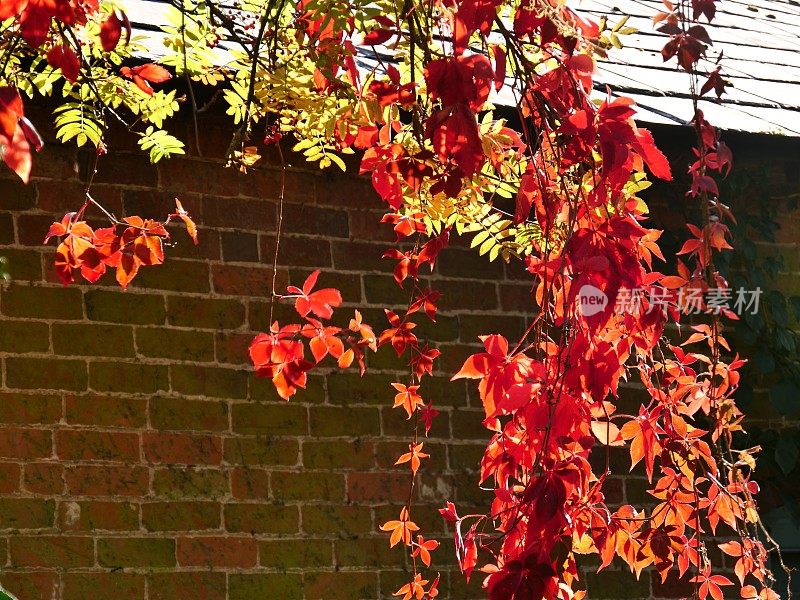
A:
<point x="559" y="193"/>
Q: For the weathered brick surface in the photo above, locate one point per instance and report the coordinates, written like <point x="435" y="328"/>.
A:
<point x="139" y="457"/>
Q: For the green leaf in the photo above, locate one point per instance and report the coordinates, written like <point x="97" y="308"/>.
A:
<point x="786" y="454"/>
<point x="160" y="144"/>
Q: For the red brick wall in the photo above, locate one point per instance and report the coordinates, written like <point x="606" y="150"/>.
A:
<point x="139" y="457"/>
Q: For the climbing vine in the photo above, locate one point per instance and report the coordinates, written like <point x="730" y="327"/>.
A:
<point x="412" y="86"/>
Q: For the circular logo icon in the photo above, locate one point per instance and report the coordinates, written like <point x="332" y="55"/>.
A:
<point x="591" y="300"/>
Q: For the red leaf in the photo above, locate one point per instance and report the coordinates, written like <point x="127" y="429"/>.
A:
<point x="17" y="154"/>
<point x="143" y="74"/>
<point x="64" y="57"/>
<point x="10" y="110"/>
<point x="33" y="137"/>
<point x="152" y="73"/>
<point x="191" y="228"/>
<point x="111" y="30"/>
<point x="460" y="80"/>
<point x="321" y="302"/>
<point x="455" y="136"/>
<point x="499" y="55"/>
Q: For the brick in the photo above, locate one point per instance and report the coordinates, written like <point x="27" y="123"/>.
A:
<point x="239" y="213"/>
<point x="455" y="262"/>
<point x="151" y="202"/>
<point x="445" y="329"/>
<point x="472" y="326"/>
<point x="516" y="298"/>
<point x="20" y="337"/>
<point x="295" y="554"/>
<point x="6" y="228"/>
<point x="377" y="487"/>
<point x="342" y="585"/>
<point x="259" y="318"/>
<point x="125" y="307"/>
<point x="468" y="425"/>
<point x="231" y="348"/>
<point x="23" y="265"/>
<point x="192" y="415"/>
<point x="182" y="448"/>
<point x="59" y="197"/>
<point x="466" y="457"/>
<point x="92" y="340"/>
<point x="298" y="185"/>
<point x="121" y="169"/>
<point x="342" y="189"/>
<point x="91" y="515"/>
<point x="132" y="378"/>
<point x="26" y="513"/>
<point x="103" y="586"/>
<point x="673" y="587"/>
<point x="262" y="518"/>
<point x="182" y="246"/>
<point x="187" y="482"/>
<point x="31" y="584"/>
<point x="186" y="586"/>
<point x="482" y="296"/>
<point x="136" y="552"/>
<point x="44" y="478"/>
<point x="616" y="584"/>
<point x="239" y="247"/>
<point x="175" y="275"/>
<point x="366" y="225"/>
<point x="446" y="392"/>
<point x="205" y="177"/>
<point x="360" y="256"/>
<point x="350" y="388"/>
<point x="25" y="443"/>
<point x="341" y="520"/>
<point x="15" y="195"/>
<point x="101" y="480"/>
<point x="46" y="373"/>
<point x="31" y="229"/>
<point x="340" y="421"/>
<point x="204" y="313"/>
<point x="264" y="585"/>
<point x="181" y="516"/>
<point x="51" y="551"/>
<point x="208" y="381"/>
<point x="176" y="344"/>
<point x="212" y="552"/>
<point x="9" y="477"/>
<point x="297" y="251"/>
<point x="249" y="484"/>
<point x="80" y="444"/>
<point x="289" y="486"/>
<point x="261" y="451"/>
<point x="383" y="290"/>
<point x="315" y="220"/>
<point x="41" y="302"/>
<point x="270" y="419"/>
<point x="338" y="455"/>
<point x="29" y="408"/>
<point x="106" y="411"/>
<point x="245" y="281"/>
<point x="367" y="552"/>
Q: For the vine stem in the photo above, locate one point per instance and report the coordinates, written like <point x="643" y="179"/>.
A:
<point x="278" y="229"/>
